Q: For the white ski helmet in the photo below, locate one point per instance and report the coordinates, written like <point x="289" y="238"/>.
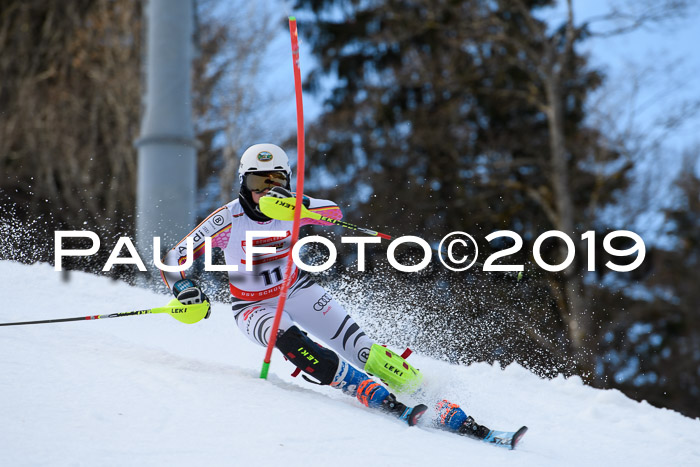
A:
<point x="265" y="157"/>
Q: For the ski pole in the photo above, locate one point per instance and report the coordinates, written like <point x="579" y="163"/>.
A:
<point x="283" y="209"/>
<point x="188" y="314"/>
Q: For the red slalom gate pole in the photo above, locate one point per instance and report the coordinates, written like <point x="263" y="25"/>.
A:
<point x="299" y="194"/>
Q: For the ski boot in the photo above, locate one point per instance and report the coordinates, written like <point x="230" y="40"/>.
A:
<point x="372" y="394"/>
<point x="452" y="418"/>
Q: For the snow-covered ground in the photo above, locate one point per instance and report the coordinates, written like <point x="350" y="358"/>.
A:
<point x="149" y="390"/>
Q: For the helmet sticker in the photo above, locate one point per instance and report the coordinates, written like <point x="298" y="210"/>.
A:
<point x="264" y="156"/>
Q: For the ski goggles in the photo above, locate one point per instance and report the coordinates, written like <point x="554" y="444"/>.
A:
<point x="258" y="182"/>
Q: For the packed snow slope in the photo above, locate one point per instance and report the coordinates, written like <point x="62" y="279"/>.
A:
<point x="149" y="390"/>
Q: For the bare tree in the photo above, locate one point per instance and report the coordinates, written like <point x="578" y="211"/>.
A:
<point x="243" y="109"/>
<point x="549" y="65"/>
<point x="70" y="101"/>
<point x="70" y="96"/>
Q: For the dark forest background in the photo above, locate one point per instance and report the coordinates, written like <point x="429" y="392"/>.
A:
<point x="443" y="115"/>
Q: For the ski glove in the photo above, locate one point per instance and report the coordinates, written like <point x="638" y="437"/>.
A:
<point x="188" y="293"/>
<point x="281" y="193"/>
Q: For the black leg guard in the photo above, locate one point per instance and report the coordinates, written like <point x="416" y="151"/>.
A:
<point x="308" y="356"/>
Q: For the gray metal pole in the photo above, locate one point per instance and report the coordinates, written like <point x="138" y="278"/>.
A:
<point x="167" y="165"/>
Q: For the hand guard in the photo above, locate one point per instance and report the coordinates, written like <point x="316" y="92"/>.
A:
<point x="281" y="193"/>
<point x="188" y="293"/>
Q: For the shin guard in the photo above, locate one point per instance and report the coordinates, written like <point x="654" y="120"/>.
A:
<point x="308" y="356"/>
<point x="393" y="369"/>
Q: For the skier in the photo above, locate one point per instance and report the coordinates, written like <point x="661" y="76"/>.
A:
<point x="265" y="171"/>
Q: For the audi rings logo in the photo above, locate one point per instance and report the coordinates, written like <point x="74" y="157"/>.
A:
<point x="322" y="302"/>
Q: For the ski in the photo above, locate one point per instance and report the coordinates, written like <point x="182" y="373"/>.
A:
<point x="505" y="439"/>
<point x="410" y="415"/>
<point x="452" y="418"/>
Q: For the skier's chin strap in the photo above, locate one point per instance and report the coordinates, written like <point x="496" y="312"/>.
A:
<point x="251" y="209"/>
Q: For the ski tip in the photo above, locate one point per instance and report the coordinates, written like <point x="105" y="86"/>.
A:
<point x="416" y="414"/>
<point x="517" y="436"/>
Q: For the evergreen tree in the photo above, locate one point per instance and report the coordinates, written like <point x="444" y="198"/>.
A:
<point x="469" y="116"/>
